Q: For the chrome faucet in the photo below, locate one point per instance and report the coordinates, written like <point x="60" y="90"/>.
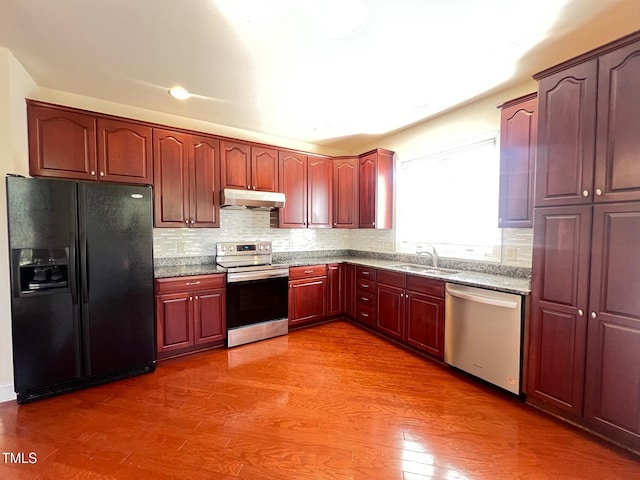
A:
<point x="433" y="254"/>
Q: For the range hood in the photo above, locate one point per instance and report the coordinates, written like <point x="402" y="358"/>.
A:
<point x="232" y="197"/>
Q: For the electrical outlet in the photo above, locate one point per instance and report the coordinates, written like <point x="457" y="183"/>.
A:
<point x="510" y="254"/>
<point x="180" y="247"/>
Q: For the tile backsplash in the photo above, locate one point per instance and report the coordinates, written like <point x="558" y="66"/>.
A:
<point x="244" y="225"/>
<point x="250" y="225"/>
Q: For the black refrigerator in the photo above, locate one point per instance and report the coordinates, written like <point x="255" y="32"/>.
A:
<point x="81" y="260"/>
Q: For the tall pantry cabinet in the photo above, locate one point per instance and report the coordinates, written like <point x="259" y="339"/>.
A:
<point x="584" y="352"/>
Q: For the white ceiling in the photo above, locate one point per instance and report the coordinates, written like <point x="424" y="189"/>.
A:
<point x="329" y="72"/>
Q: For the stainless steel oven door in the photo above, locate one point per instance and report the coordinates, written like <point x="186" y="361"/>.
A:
<point x="255" y="301"/>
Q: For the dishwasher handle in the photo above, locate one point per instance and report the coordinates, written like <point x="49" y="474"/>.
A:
<point x="482" y="299"/>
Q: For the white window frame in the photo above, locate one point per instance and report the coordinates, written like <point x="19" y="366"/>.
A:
<point x="408" y="207"/>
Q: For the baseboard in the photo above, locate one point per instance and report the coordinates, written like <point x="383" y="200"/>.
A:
<point x="6" y="392"/>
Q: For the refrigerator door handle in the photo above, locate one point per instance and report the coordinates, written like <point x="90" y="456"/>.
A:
<point x="84" y="268"/>
<point x="73" y="278"/>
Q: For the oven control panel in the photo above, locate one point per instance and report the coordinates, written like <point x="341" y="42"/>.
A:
<point x="238" y="248"/>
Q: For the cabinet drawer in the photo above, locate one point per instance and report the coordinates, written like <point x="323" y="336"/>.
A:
<point x="189" y="284"/>
<point x="366" y="273"/>
<point x="394" y="279"/>
<point x="428" y="286"/>
<point x="365" y="286"/>
<point x="366" y="299"/>
<point x="365" y="315"/>
<point x="307" y="272"/>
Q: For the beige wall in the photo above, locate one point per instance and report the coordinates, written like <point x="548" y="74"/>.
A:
<point x="15" y="85"/>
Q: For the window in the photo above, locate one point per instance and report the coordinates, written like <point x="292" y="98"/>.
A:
<point x="449" y="200"/>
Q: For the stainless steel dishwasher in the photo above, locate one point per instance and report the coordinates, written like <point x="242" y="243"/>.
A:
<point x="483" y="334"/>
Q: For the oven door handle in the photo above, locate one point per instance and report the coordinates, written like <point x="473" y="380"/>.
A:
<point x="262" y="275"/>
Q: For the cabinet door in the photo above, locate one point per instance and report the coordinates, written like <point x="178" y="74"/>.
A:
<point x="209" y="316"/>
<point x="62" y="144"/>
<point x="204" y="191"/>
<point x="171" y="178"/>
<point x="124" y="152"/>
<point x="560" y="279"/>
<point x="612" y="387"/>
<point x="174" y="321"/>
<point x="307" y="300"/>
<point x="617" y="174"/>
<point x="367" y="191"/>
<point x="264" y="169"/>
<point x="518" y="127"/>
<point x="235" y="165"/>
<point x="293" y="183"/>
<point x="425" y="323"/>
<point x="345" y="193"/>
<point x="390" y="319"/>
<point x="320" y="192"/>
<point x="566" y="128"/>
<point x="349" y="290"/>
<point x="334" y="288"/>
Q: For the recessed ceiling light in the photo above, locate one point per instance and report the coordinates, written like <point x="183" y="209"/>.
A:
<point x="179" y="93"/>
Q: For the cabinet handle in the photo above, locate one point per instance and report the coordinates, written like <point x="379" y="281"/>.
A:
<point x="193" y="283"/>
<point x="365" y="315"/>
<point x="594" y="315"/>
<point x="308" y="271"/>
<point x="192" y="221"/>
<point x="598" y="192"/>
<point x="580" y="312"/>
<point x="187" y="221"/>
<point x="364" y="286"/>
<point x="365" y="273"/>
<point x="191" y="299"/>
<point x="102" y="174"/>
<point x="93" y="172"/>
<point x="254" y="187"/>
<point x="196" y="297"/>
<point x="364" y="299"/>
<point x="585" y="193"/>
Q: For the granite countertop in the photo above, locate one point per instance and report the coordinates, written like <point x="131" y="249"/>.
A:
<point x="187" y="270"/>
<point x="520" y="286"/>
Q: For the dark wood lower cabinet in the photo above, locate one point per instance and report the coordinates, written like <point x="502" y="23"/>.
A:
<point x="612" y="374"/>
<point x="334" y="286"/>
<point x="424" y="328"/>
<point x="348" y="290"/>
<point x="307" y="294"/>
<point x="190" y="314"/>
<point x="584" y="349"/>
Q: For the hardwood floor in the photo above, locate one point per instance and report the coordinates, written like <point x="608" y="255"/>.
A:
<point x="328" y="402"/>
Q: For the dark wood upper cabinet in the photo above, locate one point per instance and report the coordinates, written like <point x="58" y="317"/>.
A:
<point x="566" y="130"/>
<point x="375" y="189"/>
<point x="186" y="185"/>
<point x="264" y="169"/>
<point x="125" y="152"/>
<point x="558" y="321"/>
<point x="293" y="183"/>
<point x="617" y="176"/>
<point x="612" y="378"/>
<point x="307" y="185"/>
<point x="62" y="143"/>
<point x="320" y="192"/>
<point x="246" y="166"/>
<point x="518" y="127"/>
<point x="235" y="165"/>
<point x="74" y="144"/>
<point x="345" y="192"/>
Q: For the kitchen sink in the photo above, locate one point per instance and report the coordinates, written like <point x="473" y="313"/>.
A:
<point x="424" y="269"/>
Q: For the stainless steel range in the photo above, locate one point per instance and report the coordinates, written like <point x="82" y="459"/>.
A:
<point x="257" y="292"/>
